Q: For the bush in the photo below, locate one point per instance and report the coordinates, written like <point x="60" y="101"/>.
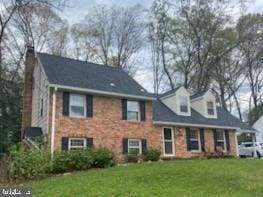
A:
<point x="152" y="154"/>
<point x="28" y="164"/>
<point x="132" y="157"/>
<point x="103" y="158"/>
<point x="66" y="161"/>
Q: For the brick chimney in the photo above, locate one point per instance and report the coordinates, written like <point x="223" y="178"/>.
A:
<point x="27" y="89"/>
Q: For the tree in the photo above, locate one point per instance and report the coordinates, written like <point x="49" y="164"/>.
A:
<point x="250" y="29"/>
<point x="115" y="34"/>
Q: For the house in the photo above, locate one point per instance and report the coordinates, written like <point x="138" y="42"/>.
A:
<point x="258" y="125"/>
<point x="78" y="104"/>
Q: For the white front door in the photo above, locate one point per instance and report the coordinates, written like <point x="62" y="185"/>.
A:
<point x="168" y="142"/>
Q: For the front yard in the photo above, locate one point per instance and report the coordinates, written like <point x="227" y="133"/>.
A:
<point x="230" y="177"/>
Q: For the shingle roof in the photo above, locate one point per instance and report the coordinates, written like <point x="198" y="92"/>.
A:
<point x="69" y="72"/>
<point x="198" y="95"/>
<point x="169" y="92"/>
<point x="162" y="113"/>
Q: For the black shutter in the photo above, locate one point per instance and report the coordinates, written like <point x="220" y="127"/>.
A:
<point x="89" y="142"/>
<point x="202" y="139"/>
<point x="124" y="109"/>
<point x="144" y="145"/>
<point x="65" y="103"/>
<point x="215" y="138"/>
<point x="142" y="110"/>
<point x="89" y="105"/>
<point x="64" y="143"/>
<point x="124" y="145"/>
<point x="227" y="140"/>
<point x="188" y="142"/>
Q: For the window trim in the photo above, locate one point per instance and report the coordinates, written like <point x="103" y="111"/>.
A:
<point x="198" y="140"/>
<point x="140" y="144"/>
<point x="79" y="147"/>
<point x="187" y="104"/>
<point x="172" y="140"/>
<point x="85" y="107"/>
<point x="207" y="108"/>
<point x="139" y="111"/>
<point x="224" y="139"/>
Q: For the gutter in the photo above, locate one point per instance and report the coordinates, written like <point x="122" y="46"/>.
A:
<point x="194" y="125"/>
<point x="100" y="92"/>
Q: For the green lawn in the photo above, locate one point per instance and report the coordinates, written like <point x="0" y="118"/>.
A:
<point x="233" y="177"/>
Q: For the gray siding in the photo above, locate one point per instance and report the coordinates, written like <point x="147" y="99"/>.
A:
<point x="40" y="91"/>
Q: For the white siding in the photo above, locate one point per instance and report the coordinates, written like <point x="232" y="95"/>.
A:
<point x="258" y="125"/>
<point x="172" y="101"/>
<point x="40" y="91"/>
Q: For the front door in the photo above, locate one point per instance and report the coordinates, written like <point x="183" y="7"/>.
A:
<point x="168" y="142"/>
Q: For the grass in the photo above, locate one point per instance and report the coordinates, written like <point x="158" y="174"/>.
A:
<point x="229" y="177"/>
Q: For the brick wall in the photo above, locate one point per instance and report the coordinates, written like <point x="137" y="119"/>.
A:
<point x="107" y="128"/>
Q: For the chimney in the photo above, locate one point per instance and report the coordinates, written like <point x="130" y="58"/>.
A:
<point x="27" y="89"/>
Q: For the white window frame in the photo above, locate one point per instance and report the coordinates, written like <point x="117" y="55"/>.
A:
<point x="139" y="112"/>
<point x="165" y="140"/>
<point x="212" y="115"/>
<point x="224" y="138"/>
<point x="184" y="99"/>
<point x="196" y="140"/>
<point x="85" y="111"/>
<point x="79" y="147"/>
<point x="140" y="145"/>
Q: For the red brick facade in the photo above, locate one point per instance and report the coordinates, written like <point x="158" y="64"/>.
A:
<point x="107" y="128"/>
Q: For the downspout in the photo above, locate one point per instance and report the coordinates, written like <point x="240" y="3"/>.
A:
<point x="53" y="122"/>
<point x="236" y="139"/>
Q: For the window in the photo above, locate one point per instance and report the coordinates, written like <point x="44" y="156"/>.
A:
<point x="77" y="143"/>
<point x="41" y="108"/>
<point x="220" y="137"/>
<point x="133" y="110"/>
<point x="183" y="104"/>
<point x="168" y="142"/>
<point x="210" y="108"/>
<point x="195" y="139"/>
<point x="77" y="105"/>
<point x="134" y="146"/>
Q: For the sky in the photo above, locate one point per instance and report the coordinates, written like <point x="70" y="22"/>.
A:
<point x="78" y="9"/>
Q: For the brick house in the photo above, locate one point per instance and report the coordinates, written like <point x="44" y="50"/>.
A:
<point x="76" y="104"/>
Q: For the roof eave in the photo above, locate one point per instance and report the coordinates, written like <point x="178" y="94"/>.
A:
<point x="194" y="125"/>
<point x="101" y="92"/>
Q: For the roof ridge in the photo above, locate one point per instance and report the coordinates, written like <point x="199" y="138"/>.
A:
<point x="87" y="62"/>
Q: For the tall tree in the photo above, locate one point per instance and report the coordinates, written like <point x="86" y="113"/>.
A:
<point x="250" y="28"/>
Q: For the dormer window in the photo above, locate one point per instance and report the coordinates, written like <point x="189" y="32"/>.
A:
<point x="183" y="104"/>
<point x="210" y="108"/>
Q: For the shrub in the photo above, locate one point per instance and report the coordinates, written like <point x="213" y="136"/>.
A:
<point x="66" y="161"/>
<point x="132" y="157"/>
<point x="152" y="154"/>
<point x="28" y="164"/>
<point x="103" y="158"/>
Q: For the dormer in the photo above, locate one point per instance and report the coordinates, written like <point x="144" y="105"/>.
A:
<point x="205" y="104"/>
<point x="178" y="101"/>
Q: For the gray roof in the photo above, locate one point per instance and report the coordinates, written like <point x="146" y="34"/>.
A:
<point x="69" y="72"/>
<point x="169" y="92"/>
<point x="198" y="94"/>
<point x="225" y="119"/>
